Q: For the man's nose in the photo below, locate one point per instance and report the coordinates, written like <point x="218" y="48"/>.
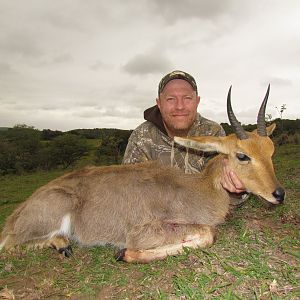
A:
<point x="179" y="103"/>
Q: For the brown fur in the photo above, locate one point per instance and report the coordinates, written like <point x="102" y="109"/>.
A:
<point x="147" y="208"/>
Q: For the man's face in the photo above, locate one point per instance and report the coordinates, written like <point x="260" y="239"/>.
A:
<point x="178" y="104"/>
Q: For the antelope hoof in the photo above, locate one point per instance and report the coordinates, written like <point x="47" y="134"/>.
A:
<point x="120" y="255"/>
<point x="66" y="251"/>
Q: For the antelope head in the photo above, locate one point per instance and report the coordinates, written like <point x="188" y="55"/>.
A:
<point x="249" y="153"/>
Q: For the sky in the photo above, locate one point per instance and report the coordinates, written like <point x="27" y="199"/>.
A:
<point x="68" y="64"/>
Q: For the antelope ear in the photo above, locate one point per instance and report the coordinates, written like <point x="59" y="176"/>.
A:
<point x="203" y="143"/>
<point x="269" y="129"/>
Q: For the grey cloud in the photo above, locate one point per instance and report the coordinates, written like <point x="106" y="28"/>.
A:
<point x="114" y="95"/>
<point x="277" y="81"/>
<point x="247" y="116"/>
<point x="99" y="65"/>
<point x="90" y="113"/>
<point x="6" y="69"/>
<point x="71" y="17"/>
<point x="30" y="105"/>
<point x="125" y="90"/>
<point x="63" y="58"/>
<point x="21" y="107"/>
<point x="124" y="101"/>
<point x="131" y="113"/>
<point x="51" y="108"/>
<point x="147" y="64"/>
<point x="64" y="20"/>
<point x="7" y="102"/>
<point x="175" y="10"/>
<point x="122" y="95"/>
<point x="109" y="111"/>
<point x="20" y="43"/>
<point x="219" y="42"/>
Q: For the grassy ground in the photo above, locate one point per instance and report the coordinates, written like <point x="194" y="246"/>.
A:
<point x="256" y="255"/>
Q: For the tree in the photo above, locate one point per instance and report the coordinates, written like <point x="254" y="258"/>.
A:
<point x="110" y="149"/>
<point x="8" y="153"/>
<point x="26" y="141"/>
<point x="268" y="118"/>
<point x="48" y="134"/>
<point x="22" y="126"/>
<point x="67" y="149"/>
<point x="280" y="111"/>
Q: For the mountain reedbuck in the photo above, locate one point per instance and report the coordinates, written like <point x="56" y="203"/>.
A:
<point x="148" y="210"/>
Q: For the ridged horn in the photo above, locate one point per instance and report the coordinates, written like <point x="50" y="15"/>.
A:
<point x="261" y="123"/>
<point x="236" y="125"/>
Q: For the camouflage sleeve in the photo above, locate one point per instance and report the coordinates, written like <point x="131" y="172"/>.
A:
<point x="221" y="132"/>
<point x="134" y="153"/>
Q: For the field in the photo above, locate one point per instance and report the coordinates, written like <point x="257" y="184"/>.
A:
<point x="256" y="255"/>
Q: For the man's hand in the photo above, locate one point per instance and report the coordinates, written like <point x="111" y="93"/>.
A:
<point x="230" y="181"/>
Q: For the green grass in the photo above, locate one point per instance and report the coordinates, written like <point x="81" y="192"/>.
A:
<point x="259" y="246"/>
<point x="15" y="189"/>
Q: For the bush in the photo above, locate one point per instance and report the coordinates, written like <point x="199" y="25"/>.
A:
<point x="285" y="138"/>
<point x="8" y="154"/>
<point x="66" y="149"/>
<point x="24" y="144"/>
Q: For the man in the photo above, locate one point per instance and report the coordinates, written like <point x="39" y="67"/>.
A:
<point x="175" y="114"/>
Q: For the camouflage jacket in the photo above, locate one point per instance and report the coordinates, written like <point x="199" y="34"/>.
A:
<point x="150" y="141"/>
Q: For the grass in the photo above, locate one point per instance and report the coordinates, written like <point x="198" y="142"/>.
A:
<point x="15" y="189"/>
<point x="256" y="255"/>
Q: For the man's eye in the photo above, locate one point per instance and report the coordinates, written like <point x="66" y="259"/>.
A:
<point x="242" y="157"/>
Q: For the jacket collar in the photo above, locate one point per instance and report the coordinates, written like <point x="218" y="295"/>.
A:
<point x="153" y="115"/>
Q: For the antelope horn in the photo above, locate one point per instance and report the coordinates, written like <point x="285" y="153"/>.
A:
<point x="236" y="125"/>
<point x="261" y="123"/>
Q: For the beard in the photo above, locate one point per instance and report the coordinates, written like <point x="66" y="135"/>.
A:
<point x="178" y="127"/>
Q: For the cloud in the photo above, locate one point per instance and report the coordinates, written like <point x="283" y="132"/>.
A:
<point x="172" y="11"/>
<point x="65" y="18"/>
<point x="21" y="43"/>
<point x="63" y="58"/>
<point x="99" y="65"/>
<point x="6" y="69"/>
<point x="148" y="64"/>
<point x="279" y="82"/>
<point x="62" y="63"/>
<point x="107" y="111"/>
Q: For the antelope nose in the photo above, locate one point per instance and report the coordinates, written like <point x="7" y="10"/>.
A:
<point x="279" y="194"/>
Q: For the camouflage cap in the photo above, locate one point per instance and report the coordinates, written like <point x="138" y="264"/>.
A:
<point x="177" y="75"/>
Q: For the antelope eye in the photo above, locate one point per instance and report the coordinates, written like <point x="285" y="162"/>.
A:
<point x="242" y="157"/>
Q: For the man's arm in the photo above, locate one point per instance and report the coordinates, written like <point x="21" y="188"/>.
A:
<point x="134" y="152"/>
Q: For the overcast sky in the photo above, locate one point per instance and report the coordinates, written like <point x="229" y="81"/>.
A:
<point x="67" y="64"/>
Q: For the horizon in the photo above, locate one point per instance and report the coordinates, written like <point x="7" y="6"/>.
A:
<point x="115" y="128"/>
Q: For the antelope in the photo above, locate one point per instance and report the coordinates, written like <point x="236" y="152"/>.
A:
<point x="148" y="210"/>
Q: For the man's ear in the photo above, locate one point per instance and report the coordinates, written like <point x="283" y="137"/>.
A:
<point x="204" y="143"/>
<point x="158" y="102"/>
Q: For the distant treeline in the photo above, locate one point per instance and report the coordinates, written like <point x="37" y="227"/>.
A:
<point x="286" y="132"/>
<point x="24" y="148"/>
<point x="282" y="126"/>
